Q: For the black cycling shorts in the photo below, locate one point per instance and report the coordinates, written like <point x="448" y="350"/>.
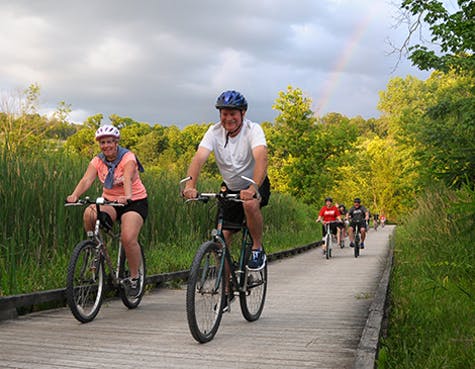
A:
<point x="234" y="211"/>
<point x="333" y="228"/>
<point x="139" y="206"/>
<point x="361" y="224"/>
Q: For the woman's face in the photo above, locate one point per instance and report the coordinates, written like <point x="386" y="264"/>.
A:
<point x="108" y="146"/>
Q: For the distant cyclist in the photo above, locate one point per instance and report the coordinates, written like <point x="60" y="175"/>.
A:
<point x="357" y="215"/>
<point x="330" y="214"/>
<point x="343" y="211"/>
<point x="375" y="221"/>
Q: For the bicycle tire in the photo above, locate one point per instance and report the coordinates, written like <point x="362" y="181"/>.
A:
<point x="205" y="292"/>
<point x="357" y="246"/>
<point x="85" y="281"/>
<point x="327" y="244"/>
<point x="132" y="302"/>
<point x="253" y="298"/>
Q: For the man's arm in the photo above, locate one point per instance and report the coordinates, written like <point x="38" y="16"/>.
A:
<point x="194" y="170"/>
<point x="260" y="171"/>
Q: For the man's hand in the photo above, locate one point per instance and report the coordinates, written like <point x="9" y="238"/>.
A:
<point x="247" y="194"/>
<point x="190" y="193"/>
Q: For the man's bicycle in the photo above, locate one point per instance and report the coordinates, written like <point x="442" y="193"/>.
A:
<point x="357" y="240"/>
<point x="86" y="278"/>
<point x="214" y="269"/>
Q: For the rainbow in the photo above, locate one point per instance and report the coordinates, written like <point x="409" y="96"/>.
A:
<point x="342" y="61"/>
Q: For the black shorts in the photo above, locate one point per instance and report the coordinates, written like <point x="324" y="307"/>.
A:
<point x="333" y="228"/>
<point x="360" y="223"/>
<point x="139" y="206"/>
<point x="234" y="211"/>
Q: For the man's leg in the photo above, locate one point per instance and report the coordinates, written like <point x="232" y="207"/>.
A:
<point x="254" y="221"/>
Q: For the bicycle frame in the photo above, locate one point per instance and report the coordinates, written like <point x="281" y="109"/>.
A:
<point x="97" y="236"/>
<point x="237" y="284"/>
<point x="235" y="273"/>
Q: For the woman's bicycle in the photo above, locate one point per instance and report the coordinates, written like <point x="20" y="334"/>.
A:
<point x="329" y="239"/>
<point x="214" y="269"/>
<point x="86" y="278"/>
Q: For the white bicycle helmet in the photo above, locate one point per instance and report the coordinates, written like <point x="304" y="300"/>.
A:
<point x="107" y="130"/>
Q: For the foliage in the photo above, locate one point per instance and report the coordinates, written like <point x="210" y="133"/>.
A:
<point x="304" y="152"/>
<point x="432" y="289"/>
<point x="434" y="120"/>
<point x="35" y="245"/>
<point x="454" y="35"/>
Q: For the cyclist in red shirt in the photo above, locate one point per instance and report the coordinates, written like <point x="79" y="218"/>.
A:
<point x="330" y="214"/>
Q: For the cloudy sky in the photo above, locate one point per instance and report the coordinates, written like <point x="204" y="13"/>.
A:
<point x="165" y="62"/>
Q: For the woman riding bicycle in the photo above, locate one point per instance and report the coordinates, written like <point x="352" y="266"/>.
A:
<point x="118" y="170"/>
<point x="330" y="214"/>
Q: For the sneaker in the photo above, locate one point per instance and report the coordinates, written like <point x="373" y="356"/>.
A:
<point x="352" y="244"/>
<point x="133" y="287"/>
<point x="362" y="245"/>
<point x="257" y="260"/>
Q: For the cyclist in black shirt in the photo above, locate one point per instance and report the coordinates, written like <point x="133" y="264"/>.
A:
<point x="357" y="215"/>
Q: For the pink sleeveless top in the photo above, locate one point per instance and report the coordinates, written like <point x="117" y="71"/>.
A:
<point x="138" y="189"/>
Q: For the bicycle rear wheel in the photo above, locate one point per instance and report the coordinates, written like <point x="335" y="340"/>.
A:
<point x="124" y="272"/>
<point x="205" y="292"/>
<point x="85" y="281"/>
<point x="253" y="297"/>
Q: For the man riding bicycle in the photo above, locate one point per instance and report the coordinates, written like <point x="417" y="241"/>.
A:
<point x="240" y="149"/>
<point x="330" y="214"/>
<point x="358" y="215"/>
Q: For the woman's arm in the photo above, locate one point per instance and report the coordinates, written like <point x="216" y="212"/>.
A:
<point x="84" y="184"/>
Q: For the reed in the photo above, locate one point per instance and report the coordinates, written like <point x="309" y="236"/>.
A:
<point x="37" y="233"/>
<point x="432" y="289"/>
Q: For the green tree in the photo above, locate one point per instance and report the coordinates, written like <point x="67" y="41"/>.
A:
<point x="454" y="35"/>
<point x="433" y="119"/>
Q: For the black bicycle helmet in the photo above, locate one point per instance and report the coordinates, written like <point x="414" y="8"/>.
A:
<point x="231" y="100"/>
<point x="358" y="200"/>
<point x="328" y="199"/>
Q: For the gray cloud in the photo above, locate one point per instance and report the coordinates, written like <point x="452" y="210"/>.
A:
<point x="165" y="62"/>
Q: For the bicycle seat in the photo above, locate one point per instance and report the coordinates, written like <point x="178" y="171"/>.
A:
<point x="106" y="221"/>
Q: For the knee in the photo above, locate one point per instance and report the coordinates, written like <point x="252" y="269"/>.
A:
<point x="251" y="206"/>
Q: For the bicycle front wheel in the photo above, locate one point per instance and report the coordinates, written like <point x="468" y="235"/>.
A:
<point x="124" y="272"/>
<point x="328" y="240"/>
<point x="85" y="281"/>
<point x="205" y="292"/>
<point x="357" y="246"/>
<point x="254" y="295"/>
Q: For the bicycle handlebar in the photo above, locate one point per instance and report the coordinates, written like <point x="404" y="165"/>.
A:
<point x="205" y="196"/>
<point x="97" y="201"/>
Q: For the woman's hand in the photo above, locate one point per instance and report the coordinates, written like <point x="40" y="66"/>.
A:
<point x="72" y="198"/>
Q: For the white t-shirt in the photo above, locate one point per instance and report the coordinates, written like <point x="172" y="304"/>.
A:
<point x="235" y="160"/>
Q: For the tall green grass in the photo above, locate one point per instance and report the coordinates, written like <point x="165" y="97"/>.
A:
<point x="432" y="318"/>
<point x="37" y="233"/>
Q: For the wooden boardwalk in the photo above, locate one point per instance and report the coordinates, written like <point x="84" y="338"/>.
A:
<point x="314" y="315"/>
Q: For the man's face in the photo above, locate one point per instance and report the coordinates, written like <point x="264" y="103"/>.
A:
<point x="329" y="203"/>
<point x="357" y="205"/>
<point x="231" y="118"/>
